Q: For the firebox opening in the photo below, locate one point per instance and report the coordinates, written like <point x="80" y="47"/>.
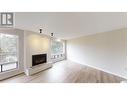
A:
<point x="39" y="59"/>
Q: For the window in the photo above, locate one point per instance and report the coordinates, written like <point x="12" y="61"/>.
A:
<point x="57" y="49"/>
<point x="8" y="52"/>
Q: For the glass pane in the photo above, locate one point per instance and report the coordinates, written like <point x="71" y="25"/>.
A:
<point x="57" y="47"/>
<point x="8" y="49"/>
<point x="9" y="66"/>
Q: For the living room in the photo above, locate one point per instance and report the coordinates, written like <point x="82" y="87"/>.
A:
<point x="63" y="47"/>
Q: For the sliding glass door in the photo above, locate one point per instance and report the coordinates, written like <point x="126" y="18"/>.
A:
<point x="8" y="52"/>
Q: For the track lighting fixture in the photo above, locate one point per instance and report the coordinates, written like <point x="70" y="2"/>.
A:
<point x="52" y="34"/>
<point x="40" y="30"/>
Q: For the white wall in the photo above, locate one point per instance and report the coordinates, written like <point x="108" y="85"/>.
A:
<point x="20" y="34"/>
<point x="106" y="51"/>
<point x="35" y="43"/>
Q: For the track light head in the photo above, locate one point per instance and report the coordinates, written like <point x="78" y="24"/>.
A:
<point x="52" y="34"/>
<point x="40" y="30"/>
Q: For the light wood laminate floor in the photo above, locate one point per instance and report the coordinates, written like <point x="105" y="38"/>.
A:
<point x="67" y="72"/>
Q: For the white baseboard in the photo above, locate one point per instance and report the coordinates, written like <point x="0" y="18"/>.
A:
<point x="103" y="70"/>
<point x="107" y="71"/>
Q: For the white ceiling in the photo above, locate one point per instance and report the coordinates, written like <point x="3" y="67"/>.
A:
<point x="70" y="25"/>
